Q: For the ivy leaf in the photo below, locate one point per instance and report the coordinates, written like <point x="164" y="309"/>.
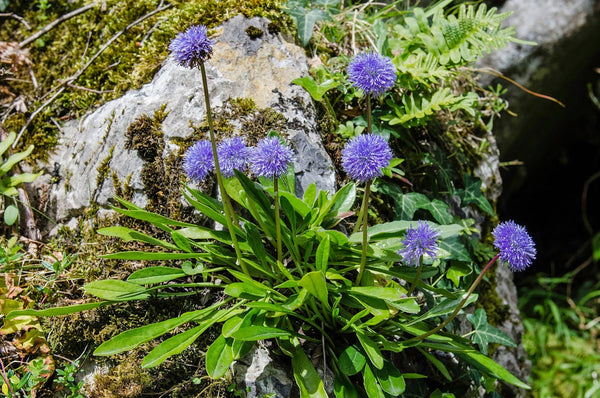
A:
<point x="472" y="195"/>
<point x="316" y="90"/>
<point x="484" y="333"/>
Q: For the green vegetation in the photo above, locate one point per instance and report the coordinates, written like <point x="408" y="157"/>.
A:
<point x="156" y="265"/>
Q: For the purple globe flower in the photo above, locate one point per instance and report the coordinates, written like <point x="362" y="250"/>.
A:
<point x="192" y="47"/>
<point x="516" y="247"/>
<point x="365" y="156"/>
<point x="198" y="160"/>
<point x="372" y="73"/>
<point x="270" y="158"/>
<point x="233" y="155"/>
<point x="418" y="242"/>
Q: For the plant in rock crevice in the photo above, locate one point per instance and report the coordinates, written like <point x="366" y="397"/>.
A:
<point x="287" y="273"/>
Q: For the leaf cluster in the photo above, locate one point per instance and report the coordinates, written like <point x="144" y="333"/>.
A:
<point x="10" y="180"/>
<point x="308" y="300"/>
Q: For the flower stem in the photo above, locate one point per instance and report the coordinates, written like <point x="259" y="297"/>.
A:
<point x="369" y="122"/>
<point x="365" y="215"/>
<point x="277" y="221"/>
<point x="458" y="307"/>
<point x="229" y="213"/>
<point x="414" y="284"/>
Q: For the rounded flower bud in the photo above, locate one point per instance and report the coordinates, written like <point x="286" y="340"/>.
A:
<point x="192" y="47"/>
<point x="372" y="73"/>
<point x="365" y="156"/>
<point x="516" y="247"/>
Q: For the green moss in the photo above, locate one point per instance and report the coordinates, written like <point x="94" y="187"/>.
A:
<point x="253" y="32"/>
<point x="128" y="62"/>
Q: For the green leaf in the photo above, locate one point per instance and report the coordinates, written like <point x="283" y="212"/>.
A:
<point x="135" y="255"/>
<point x="316" y="90"/>
<point x="307" y="378"/>
<point x="407" y="204"/>
<point x="255" y="242"/>
<point x="176" y="344"/>
<point x="245" y="291"/>
<point x="71" y="309"/>
<point x="390" y="379"/>
<point x="393" y="296"/>
<point x="116" y="290"/>
<point x="172" y="346"/>
<point x="182" y="242"/>
<point x="17" y="179"/>
<point x="383" y="231"/>
<point x="11" y="214"/>
<point x="437" y="363"/>
<point x="322" y="255"/>
<point x="342" y="388"/>
<point x="494" y="369"/>
<point x="196" y="233"/>
<point x="443" y="308"/>
<point x="341" y="201"/>
<point x="219" y="357"/>
<point x="372" y="386"/>
<point x="152" y="275"/>
<point x="7" y="142"/>
<point x="455" y="248"/>
<point x="484" y="333"/>
<point x="132" y="338"/>
<point x="204" y="206"/>
<point x="472" y="194"/>
<point x="439" y="210"/>
<point x="255" y="333"/>
<point x="316" y="285"/>
<point x="14" y="159"/>
<point x="306" y="23"/>
<point x="371" y="349"/>
<point x="456" y="271"/>
<point x="152" y="218"/>
<point x="129" y="235"/>
<point x="351" y="361"/>
<point x="310" y="194"/>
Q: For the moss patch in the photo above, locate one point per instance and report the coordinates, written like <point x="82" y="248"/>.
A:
<point x="128" y="62"/>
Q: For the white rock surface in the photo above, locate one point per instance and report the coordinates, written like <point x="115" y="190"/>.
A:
<point x="261" y="68"/>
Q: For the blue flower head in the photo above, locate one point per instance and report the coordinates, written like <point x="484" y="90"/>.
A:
<point x="270" y="158"/>
<point x="516" y="247"/>
<point x="192" y="47"/>
<point x="233" y="155"/>
<point x="418" y="242"/>
<point x="372" y="73"/>
<point x="365" y="156"/>
<point x="198" y="160"/>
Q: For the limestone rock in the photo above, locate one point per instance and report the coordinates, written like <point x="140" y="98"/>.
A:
<point x="260" y="68"/>
<point x="261" y="375"/>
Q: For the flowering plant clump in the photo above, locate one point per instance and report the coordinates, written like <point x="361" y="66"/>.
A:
<point x="372" y="73"/>
<point x="198" y="160"/>
<point x="192" y="47"/>
<point x="516" y="247"/>
<point x="284" y="268"/>
<point x="365" y="156"/>
<point x="233" y="155"/>
<point x="270" y="158"/>
<point x="418" y="242"/>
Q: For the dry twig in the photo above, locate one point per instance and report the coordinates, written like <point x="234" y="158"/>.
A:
<point x="17" y="17"/>
<point x="56" y="22"/>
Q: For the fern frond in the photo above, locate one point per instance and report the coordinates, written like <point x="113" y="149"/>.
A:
<point x="420" y="68"/>
<point x="455" y="39"/>
<point x="417" y="108"/>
